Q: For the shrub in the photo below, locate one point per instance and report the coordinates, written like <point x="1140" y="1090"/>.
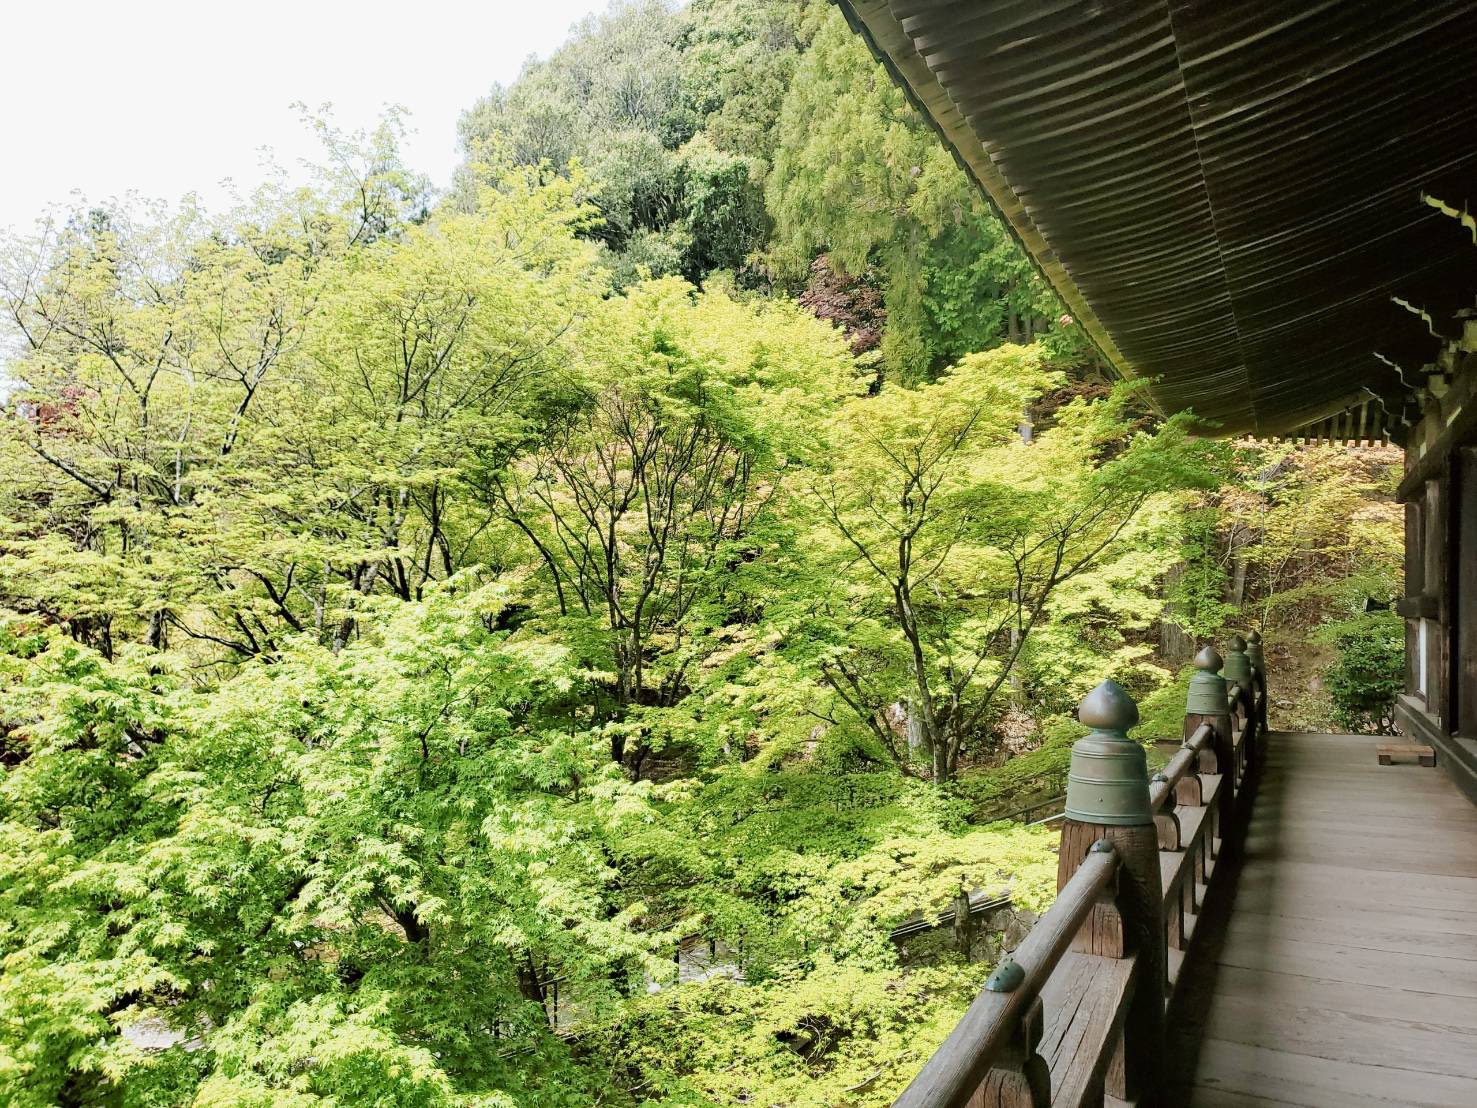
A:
<point x="1369" y="673"/>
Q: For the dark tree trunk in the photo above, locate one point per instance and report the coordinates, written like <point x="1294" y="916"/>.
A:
<point x="1176" y="645"/>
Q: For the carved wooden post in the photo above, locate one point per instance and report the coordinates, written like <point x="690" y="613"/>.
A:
<point x="1206" y="703"/>
<point x="1108" y="799"/>
<point x="1258" y="672"/>
<point x="1167" y="824"/>
<point x="1238" y="672"/>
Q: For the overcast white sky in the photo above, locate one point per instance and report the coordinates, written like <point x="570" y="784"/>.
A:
<point x="164" y="97"/>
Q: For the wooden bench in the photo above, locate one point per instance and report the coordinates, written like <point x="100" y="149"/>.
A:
<point x="1388" y="752"/>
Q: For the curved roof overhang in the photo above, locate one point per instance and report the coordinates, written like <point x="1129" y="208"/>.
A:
<point x="1259" y="206"/>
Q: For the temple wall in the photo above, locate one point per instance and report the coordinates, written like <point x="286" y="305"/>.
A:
<point x="1440" y="603"/>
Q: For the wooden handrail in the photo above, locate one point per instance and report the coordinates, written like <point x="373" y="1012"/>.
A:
<point x="1109" y="1001"/>
<point x="921" y="922"/>
<point x="958" y="1067"/>
<point x="1025" y="812"/>
<point x="1183" y="762"/>
<point x="1201" y="737"/>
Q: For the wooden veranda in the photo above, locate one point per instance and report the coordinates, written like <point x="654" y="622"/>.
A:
<point x="1265" y="209"/>
<point x="1295" y="924"/>
<point x="1339" y="961"/>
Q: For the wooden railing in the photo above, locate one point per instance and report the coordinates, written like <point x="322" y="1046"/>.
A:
<point x="995" y="1044"/>
<point x="1046" y="808"/>
<point x="1077" y="1014"/>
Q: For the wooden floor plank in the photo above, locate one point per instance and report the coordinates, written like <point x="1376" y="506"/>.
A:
<point x="1385" y="798"/>
<point x="1351" y="903"/>
<point x="1296" y="881"/>
<point x="1369" y="822"/>
<point x="1235" y="984"/>
<point x="1248" y="1071"/>
<point x="1418" y="973"/>
<point x="1215" y="1098"/>
<point x="1346" y="973"/>
<point x="1338" y="1035"/>
<point x="1381" y="856"/>
<point x="1383" y="806"/>
<point x="1362" y="835"/>
<point x="1351" y="925"/>
<point x="1334" y="797"/>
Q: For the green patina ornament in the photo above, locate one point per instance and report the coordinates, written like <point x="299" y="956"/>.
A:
<point x="1108" y="782"/>
<point x="1238" y="663"/>
<point x="1207" y="695"/>
<point x="1007" y="978"/>
<point x="1254" y="652"/>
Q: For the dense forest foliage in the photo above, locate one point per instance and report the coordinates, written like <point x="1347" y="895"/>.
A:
<point x="420" y="615"/>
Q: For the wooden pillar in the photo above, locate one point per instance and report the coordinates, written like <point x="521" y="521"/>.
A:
<point x="1415" y="585"/>
<point x="1108" y="799"/>
<point x="1436" y="660"/>
<point x="1463" y="587"/>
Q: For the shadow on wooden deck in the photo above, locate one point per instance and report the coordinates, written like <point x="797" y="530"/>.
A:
<point x="1339" y="961"/>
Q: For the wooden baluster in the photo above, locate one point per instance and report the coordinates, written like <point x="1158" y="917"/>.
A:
<point x="1167" y="824"/>
<point x="1108" y="800"/>
<point x="1019" y="1078"/>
